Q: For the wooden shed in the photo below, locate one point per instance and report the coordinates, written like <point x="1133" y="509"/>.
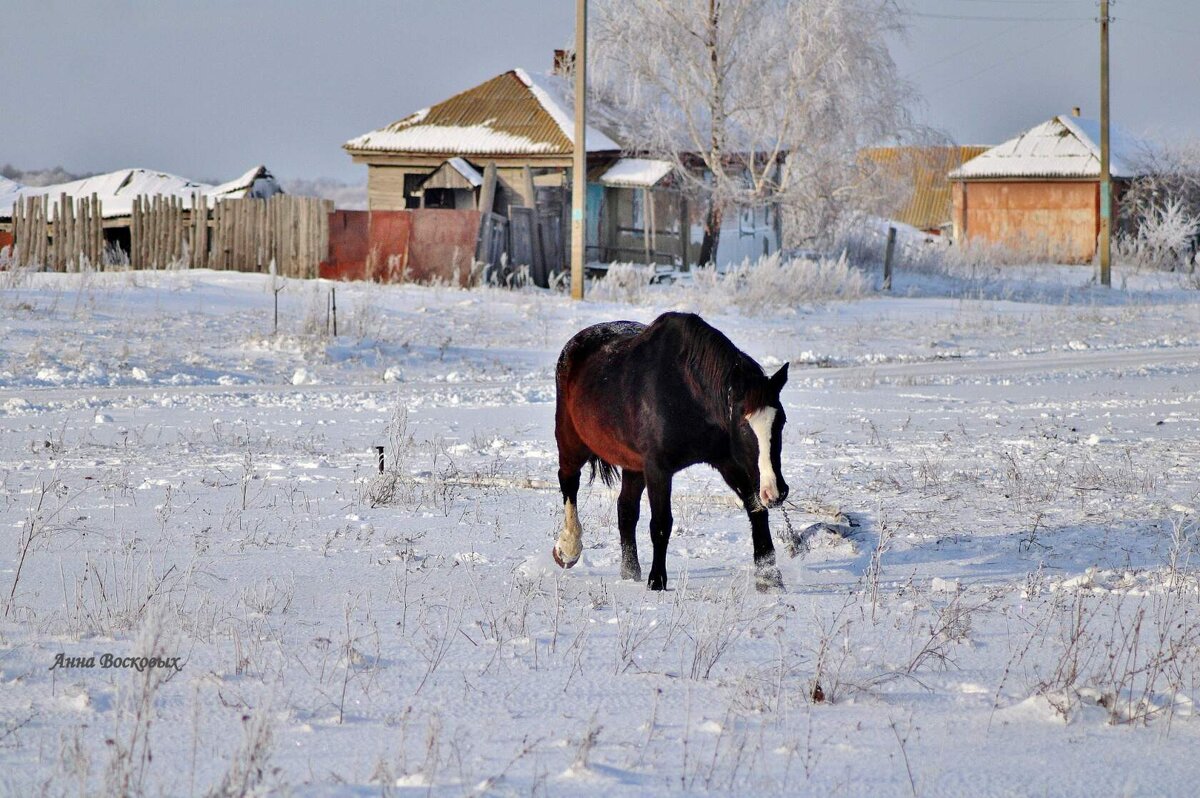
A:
<point x="1040" y="191"/>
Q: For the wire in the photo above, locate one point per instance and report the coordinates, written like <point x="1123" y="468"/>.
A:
<point x="972" y="18"/>
<point x="991" y="38"/>
<point x="1031" y="2"/>
<point x="1011" y="56"/>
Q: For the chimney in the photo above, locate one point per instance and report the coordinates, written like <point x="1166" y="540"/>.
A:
<point x="1075" y="111"/>
<point x="564" y="63"/>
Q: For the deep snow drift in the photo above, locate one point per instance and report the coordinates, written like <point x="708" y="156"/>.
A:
<point x="1000" y="598"/>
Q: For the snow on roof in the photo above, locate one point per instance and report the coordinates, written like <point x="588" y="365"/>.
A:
<point x="10" y="191"/>
<point x="467" y="171"/>
<point x="117" y="190"/>
<point x="636" y="172"/>
<point x="511" y="114"/>
<point x="552" y="92"/>
<point x="1064" y="146"/>
<point x="257" y="182"/>
<point x="468" y="140"/>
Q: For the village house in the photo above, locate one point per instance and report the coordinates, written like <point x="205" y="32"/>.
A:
<point x="1040" y="191"/>
<point x="505" y="146"/>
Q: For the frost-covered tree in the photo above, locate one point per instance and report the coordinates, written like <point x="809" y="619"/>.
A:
<point x="1160" y="212"/>
<point x="757" y="102"/>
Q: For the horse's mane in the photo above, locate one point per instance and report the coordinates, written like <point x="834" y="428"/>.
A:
<point x="718" y="371"/>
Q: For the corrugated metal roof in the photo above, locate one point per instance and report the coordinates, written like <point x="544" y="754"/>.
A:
<point x="511" y="114"/>
<point x="923" y="170"/>
<point x="1062" y="147"/>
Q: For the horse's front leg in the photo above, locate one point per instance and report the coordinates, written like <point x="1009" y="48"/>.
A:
<point x="767" y="576"/>
<point x="658" y="484"/>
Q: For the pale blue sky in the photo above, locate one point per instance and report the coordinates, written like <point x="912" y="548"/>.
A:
<point x="208" y="88"/>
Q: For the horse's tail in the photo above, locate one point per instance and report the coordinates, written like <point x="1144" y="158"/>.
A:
<point x="608" y="471"/>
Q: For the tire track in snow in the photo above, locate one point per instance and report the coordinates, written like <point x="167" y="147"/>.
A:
<point x="998" y="367"/>
<point x="1012" y="366"/>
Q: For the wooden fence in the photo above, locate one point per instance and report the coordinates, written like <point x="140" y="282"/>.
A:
<point x="163" y="232"/>
<point x="69" y="243"/>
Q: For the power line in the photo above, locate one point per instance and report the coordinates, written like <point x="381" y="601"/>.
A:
<point x="991" y="38"/>
<point x="1032" y="2"/>
<point x="978" y="18"/>
<point x="1011" y="56"/>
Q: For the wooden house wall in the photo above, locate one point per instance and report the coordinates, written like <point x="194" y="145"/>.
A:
<point x="385" y="184"/>
<point x="1060" y="219"/>
<point x="623" y="225"/>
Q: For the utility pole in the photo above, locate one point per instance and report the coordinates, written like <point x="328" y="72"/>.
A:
<point x="1105" y="179"/>
<point x="579" y="162"/>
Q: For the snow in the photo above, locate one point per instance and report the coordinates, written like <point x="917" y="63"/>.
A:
<point x="552" y="92"/>
<point x="464" y="139"/>
<point x="467" y="171"/>
<point x="256" y="182"/>
<point x="118" y="190"/>
<point x="994" y="587"/>
<point x="636" y="172"/>
<point x="1064" y="146"/>
<point x="10" y="191"/>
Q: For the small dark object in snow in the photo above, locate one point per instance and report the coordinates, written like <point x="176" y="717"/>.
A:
<point x="798" y="542"/>
<point x="818" y="695"/>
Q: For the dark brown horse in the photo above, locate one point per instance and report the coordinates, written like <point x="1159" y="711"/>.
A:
<point x="653" y="400"/>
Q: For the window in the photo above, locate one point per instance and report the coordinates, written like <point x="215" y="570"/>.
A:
<point x="412" y="183"/>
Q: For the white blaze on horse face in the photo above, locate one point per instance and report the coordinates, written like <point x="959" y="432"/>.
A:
<point x="570" y="540"/>
<point x="762" y="421"/>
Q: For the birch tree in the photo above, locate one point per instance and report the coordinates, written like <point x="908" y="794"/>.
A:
<point x="756" y="102"/>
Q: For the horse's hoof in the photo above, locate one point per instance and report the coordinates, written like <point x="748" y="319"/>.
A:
<point x="631" y="572"/>
<point x="657" y="582"/>
<point x="561" y="562"/>
<point x="768" y="580"/>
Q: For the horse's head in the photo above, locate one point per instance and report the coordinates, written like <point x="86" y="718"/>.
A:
<point x="757" y="438"/>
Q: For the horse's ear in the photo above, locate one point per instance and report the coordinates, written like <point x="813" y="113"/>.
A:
<point x="779" y="379"/>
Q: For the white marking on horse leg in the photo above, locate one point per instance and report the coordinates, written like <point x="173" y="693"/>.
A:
<point x="761" y="421"/>
<point x="570" y="540"/>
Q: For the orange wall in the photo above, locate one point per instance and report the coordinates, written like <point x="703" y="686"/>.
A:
<point x="1060" y="219"/>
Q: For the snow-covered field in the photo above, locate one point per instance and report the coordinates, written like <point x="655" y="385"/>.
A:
<point x="999" y="597"/>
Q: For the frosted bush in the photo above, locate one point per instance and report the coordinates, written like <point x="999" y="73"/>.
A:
<point x="773" y="283"/>
<point x="1165" y="236"/>
<point x="768" y="284"/>
<point x="628" y="283"/>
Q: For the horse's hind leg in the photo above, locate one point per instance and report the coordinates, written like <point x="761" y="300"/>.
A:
<point x="569" y="546"/>
<point x="629" y="506"/>
<point x="572" y="455"/>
